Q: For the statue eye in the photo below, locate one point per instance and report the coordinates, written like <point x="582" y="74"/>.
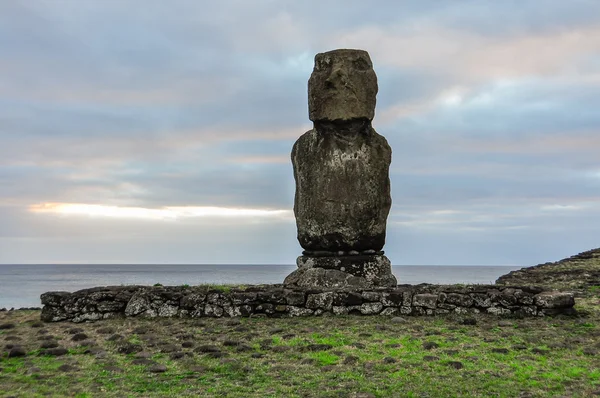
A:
<point x="361" y="64"/>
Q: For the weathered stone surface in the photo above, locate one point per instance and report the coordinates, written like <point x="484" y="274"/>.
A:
<point x="369" y="267"/>
<point x="266" y="308"/>
<point x="232" y="311"/>
<point x="371" y="296"/>
<point x="313" y="277"/>
<point x="213" y="310"/>
<point x="265" y="300"/>
<point x="54" y="298"/>
<point x="193" y="301"/>
<point x="320" y="300"/>
<point x="338" y="272"/>
<point x="342" y="189"/>
<point x="555" y="300"/>
<point x="275" y="295"/>
<point x="389" y="311"/>
<point x="295" y="297"/>
<point x="154" y="302"/>
<point x="299" y="311"/>
<point x="341" y="166"/>
<point x="426" y="300"/>
<point x="347" y="298"/>
<point x="462" y="300"/>
<point x="498" y="311"/>
<point x="340" y="310"/>
<point x="342" y="86"/>
<point x="481" y="300"/>
<point x="87" y="304"/>
<point x="371" y="308"/>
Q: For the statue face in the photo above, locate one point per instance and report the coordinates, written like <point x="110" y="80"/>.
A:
<point x="342" y="86"/>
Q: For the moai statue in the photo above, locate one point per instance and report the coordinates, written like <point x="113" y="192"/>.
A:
<point x="341" y="168"/>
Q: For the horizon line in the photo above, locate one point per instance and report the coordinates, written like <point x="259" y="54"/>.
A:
<point x="281" y="264"/>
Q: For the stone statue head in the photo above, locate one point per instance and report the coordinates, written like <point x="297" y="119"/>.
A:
<point x="342" y="86"/>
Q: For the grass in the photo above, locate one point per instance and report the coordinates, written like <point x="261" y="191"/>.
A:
<point x="594" y="289"/>
<point x="309" y="357"/>
<point x="225" y="288"/>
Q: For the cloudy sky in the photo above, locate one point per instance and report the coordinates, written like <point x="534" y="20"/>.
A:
<point x="141" y="131"/>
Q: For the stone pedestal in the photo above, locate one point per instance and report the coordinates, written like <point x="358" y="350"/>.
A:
<point x="362" y="271"/>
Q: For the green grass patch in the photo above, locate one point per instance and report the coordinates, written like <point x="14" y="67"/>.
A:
<point x="225" y="288"/>
<point x="324" y="358"/>
<point x="543" y="357"/>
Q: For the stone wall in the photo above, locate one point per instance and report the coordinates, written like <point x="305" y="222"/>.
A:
<point x="277" y="301"/>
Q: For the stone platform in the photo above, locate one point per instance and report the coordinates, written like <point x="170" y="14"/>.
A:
<point x="360" y="271"/>
<point x="278" y="301"/>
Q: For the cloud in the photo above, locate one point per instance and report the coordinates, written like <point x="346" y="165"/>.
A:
<point x="149" y="108"/>
<point x="164" y="213"/>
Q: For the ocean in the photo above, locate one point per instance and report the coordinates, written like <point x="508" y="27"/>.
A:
<point x="21" y="285"/>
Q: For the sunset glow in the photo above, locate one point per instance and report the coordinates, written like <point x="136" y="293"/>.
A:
<point x="163" y="213"/>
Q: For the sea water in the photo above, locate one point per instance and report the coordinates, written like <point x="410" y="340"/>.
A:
<point x="22" y="285"/>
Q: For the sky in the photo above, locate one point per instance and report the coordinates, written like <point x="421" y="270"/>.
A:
<point x="146" y="131"/>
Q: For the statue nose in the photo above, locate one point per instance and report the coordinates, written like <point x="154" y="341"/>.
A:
<point x="335" y="78"/>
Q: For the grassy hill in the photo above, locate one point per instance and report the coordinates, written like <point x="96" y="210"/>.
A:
<point x="577" y="272"/>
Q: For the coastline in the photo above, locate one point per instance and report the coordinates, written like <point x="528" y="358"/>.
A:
<point x="474" y="355"/>
<point x="19" y="289"/>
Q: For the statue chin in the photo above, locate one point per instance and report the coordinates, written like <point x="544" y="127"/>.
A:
<point x="343" y="129"/>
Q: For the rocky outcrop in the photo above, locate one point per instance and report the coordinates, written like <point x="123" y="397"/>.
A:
<point x="575" y="272"/>
<point x="277" y="301"/>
